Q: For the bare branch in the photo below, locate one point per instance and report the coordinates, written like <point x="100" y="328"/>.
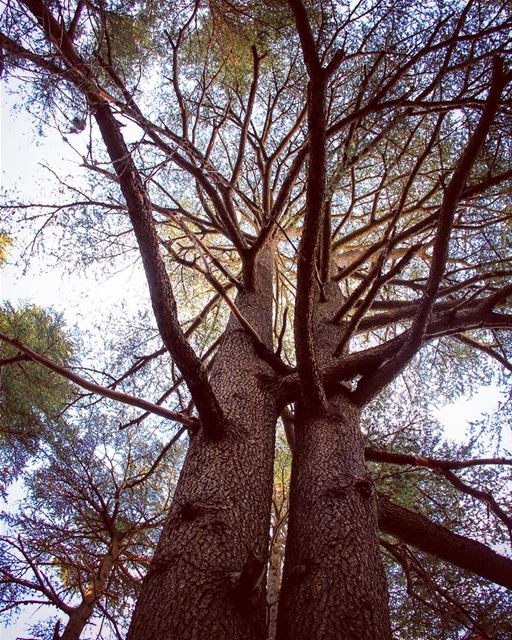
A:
<point x="119" y="396"/>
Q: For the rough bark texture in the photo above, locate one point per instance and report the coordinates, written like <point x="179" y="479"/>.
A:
<point x="333" y="583"/>
<point x="207" y="577"/>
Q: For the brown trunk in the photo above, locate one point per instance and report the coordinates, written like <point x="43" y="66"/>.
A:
<point x="207" y="577"/>
<point x="80" y="615"/>
<point x="334" y="585"/>
<point x="273" y="585"/>
<point x="77" y="621"/>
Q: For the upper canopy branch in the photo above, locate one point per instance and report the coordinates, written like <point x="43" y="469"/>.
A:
<point x="141" y="217"/>
<point x="453" y="192"/>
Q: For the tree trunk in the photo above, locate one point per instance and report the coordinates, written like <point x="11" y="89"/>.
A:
<point x="207" y="577"/>
<point x="77" y="621"/>
<point x="274" y="582"/>
<point x="80" y="615"/>
<point x="334" y="585"/>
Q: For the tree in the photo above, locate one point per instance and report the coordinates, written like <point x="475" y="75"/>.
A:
<point x="31" y="398"/>
<point x="84" y="537"/>
<point x="379" y="134"/>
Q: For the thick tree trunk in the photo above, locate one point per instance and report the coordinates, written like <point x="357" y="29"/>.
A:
<point x="334" y="585"/>
<point x="207" y="577"/>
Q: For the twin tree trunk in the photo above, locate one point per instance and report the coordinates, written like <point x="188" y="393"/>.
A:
<point x="206" y="580"/>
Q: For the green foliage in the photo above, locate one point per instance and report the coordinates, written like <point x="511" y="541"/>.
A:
<point x="229" y="30"/>
<point x="131" y="36"/>
<point x="31" y="397"/>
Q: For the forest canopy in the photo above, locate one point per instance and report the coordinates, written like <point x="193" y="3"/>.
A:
<point x="318" y="195"/>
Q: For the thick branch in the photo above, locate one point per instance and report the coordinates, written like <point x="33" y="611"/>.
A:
<point x="379" y="455"/>
<point x="313" y="392"/>
<point x="119" y="396"/>
<point x="140" y="212"/>
<point x="364" y="362"/>
<point x="417" y="530"/>
<point x="485" y="348"/>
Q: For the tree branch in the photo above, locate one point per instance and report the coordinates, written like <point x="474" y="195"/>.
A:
<point x="417" y="530"/>
<point x="373" y="383"/>
<point x="119" y="396"/>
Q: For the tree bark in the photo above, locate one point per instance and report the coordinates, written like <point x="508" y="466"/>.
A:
<point x="207" y="577"/>
<point x="77" y="621"/>
<point x="334" y="585"/>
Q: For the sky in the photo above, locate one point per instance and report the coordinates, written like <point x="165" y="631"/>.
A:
<point x="81" y="297"/>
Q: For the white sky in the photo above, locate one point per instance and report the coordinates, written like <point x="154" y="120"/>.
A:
<point x="456" y="416"/>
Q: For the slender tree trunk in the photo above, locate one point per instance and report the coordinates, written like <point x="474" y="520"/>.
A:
<point x="80" y="615"/>
<point x="77" y="621"/>
<point x="274" y="583"/>
<point x="207" y="577"/>
<point x="334" y="585"/>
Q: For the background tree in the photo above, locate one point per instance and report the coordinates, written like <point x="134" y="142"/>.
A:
<point x="84" y="535"/>
<point x="378" y="134"/>
<point x="31" y="398"/>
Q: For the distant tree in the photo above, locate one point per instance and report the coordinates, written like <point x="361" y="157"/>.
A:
<point x="5" y="244"/>
<point x="83" y="538"/>
<point x="337" y="176"/>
